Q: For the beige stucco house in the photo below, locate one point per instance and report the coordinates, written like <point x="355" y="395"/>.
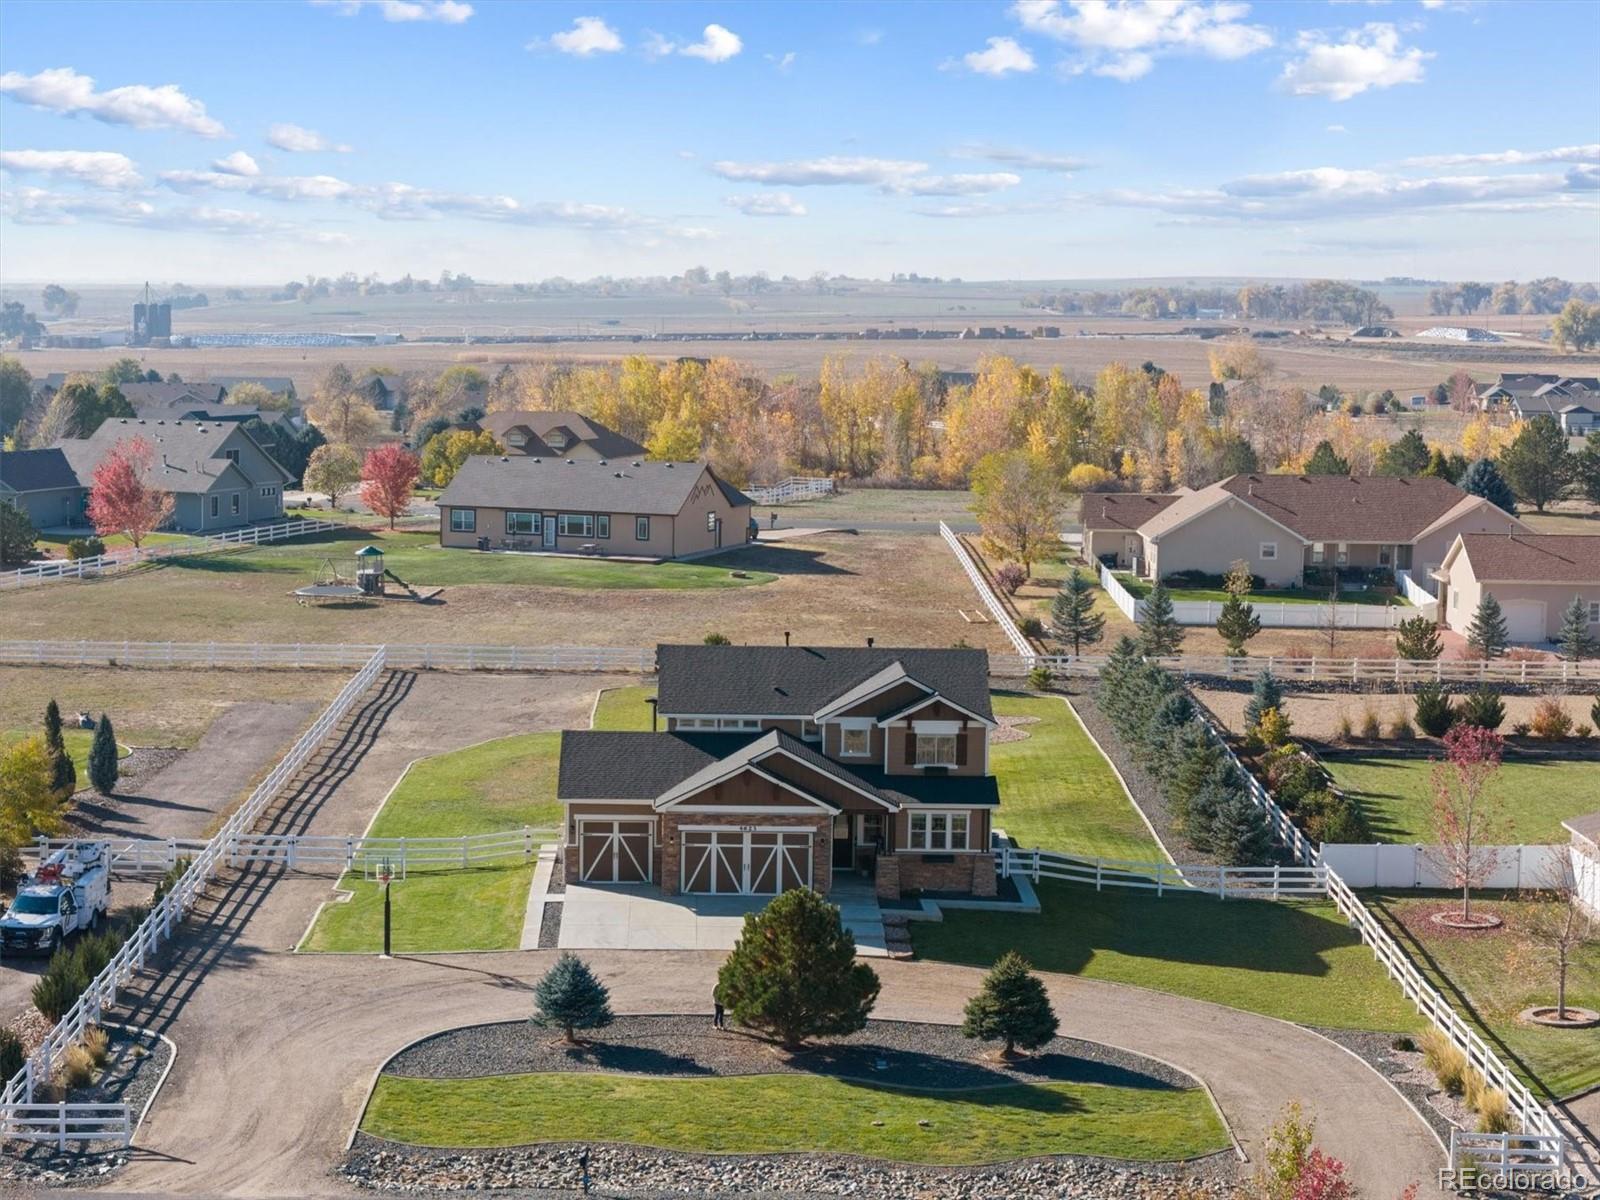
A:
<point x="783" y="767"/>
<point x="1534" y="576"/>
<point x="633" y="508"/>
<point x="1288" y="528"/>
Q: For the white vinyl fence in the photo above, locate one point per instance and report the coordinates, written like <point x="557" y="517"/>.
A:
<point x="121" y="560"/>
<point x="158" y="927"/>
<point x="1417" y="866"/>
<point x="796" y="487"/>
<point x="1500" y="1153"/>
<point x="1280" y="614"/>
<point x="65" y="1123"/>
<point x="1426" y="602"/>
<point x="329" y="655"/>
<point x="1255" y="883"/>
<point x="996" y="609"/>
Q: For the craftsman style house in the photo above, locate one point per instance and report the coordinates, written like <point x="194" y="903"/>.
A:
<point x="784" y="767"/>
<point x="558" y="435"/>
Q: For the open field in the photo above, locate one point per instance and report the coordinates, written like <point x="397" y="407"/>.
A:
<point x="836" y="589"/>
<point x="877" y="504"/>
<point x="733" y="1115"/>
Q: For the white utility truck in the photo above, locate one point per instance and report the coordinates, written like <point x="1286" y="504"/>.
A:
<point x="70" y="891"/>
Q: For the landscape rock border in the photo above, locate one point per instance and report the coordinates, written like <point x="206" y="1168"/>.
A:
<point x="1545" y="1015"/>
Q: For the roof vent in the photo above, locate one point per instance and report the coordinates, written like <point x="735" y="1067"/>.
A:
<point x="636" y="462"/>
<point x="504" y="459"/>
<point x="616" y="474"/>
<point x="602" y="462"/>
<point x="538" y="460"/>
<point x="670" y="466"/>
<point x="569" y="462"/>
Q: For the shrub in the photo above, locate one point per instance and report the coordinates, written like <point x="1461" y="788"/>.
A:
<point x="57" y="990"/>
<point x="1400" y="729"/>
<point x="11" y="1055"/>
<point x="1482" y="708"/>
<point x="1494" y="1112"/>
<point x="1344" y="731"/>
<point x="1473" y="1085"/>
<point x="1405" y="1043"/>
<point x="1330" y="817"/>
<point x="1594" y="712"/>
<point x="1273" y="728"/>
<point x="1435" y="714"/>
<point x="1009" y="578"/>
<point x="12" y="869"/>
<point x="169" y="880"/>
<point x="85" y="547"/>
<point x="1266" y="692"/>
<point x="98" y="1043"/>
<point x="1031" y="627"/>
<point x="1371" y="727"/>
<point x="1011" y="1007"/>
<point x="1040" y="678"/>
<point x="1520" y="729"/>
<point x="77" y="1068"/>
<point x="716" y="639"/>
<point x="1582" y="732"/>
<point x="1448" y="1064"/>
<point x="1292" y="778"/>
<point x="1550" y="720"/>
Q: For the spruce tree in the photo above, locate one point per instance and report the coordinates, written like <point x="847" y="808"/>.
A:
<point x="1198" y="762"/>
<point x="1406" y="455"/>
<point x="1011" y="1007"/>
<point x="1237" y="624"/>
<point x="1116" y="677"/>
<point x="1265" y="693"/>
<point x="1482" y="708"/>
<point x="1239" y="831"/>
<point x="1435" y="714"/>
<point x="1418" y="639"/>
<point x="1483" y="478"/>
<point x="1200" y="826"/>
<point x="570" y="997"/>
<point x="1536" y="464"/>
<point x="63" y="774"/>
<point x="1161" y="729"/>
<point x="1576" y="641"/>
<point x="103" y="757"/>
<point x="1487" y="634"/>
<point x="1160" y="634"/>
<point x="1072" y="614"/>
<point x="1324" y="461"/>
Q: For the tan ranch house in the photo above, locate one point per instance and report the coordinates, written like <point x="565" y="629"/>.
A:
<point x="632" y="508"/>
<point x="1288" y="527"/>
<point x="1534" y="576"/>
<point x="783" y="767"/>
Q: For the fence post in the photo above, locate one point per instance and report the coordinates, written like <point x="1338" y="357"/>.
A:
<point x="1098" y="866"/>
<point x="61" y="1125"/>
<point x="527" y="843"/>
<point x="1161" y="872"/>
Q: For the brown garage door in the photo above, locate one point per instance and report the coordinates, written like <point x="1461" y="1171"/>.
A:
<point x="614" y="851"/>
<point x="745" y="862"/>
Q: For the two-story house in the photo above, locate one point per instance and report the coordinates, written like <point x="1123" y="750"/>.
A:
<point x="784" y="766"/>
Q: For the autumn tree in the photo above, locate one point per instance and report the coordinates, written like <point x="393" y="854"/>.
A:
<point x="29" y="804"/>
<point x="342" y="411"/>
<point x="1577" y="326"/>
<point x="1536" y="464"/>
<point x="250" y="394"/>
<point x="1467" y="820"/>
<point x="1556" y="920"/>
<point x="1017" y="499"/>
<point x="388" y="477"/>
<point x="444" y="453"/>
<point x="16" y="393"/>
<point x="332" y="469"/>
<point x="120" y="501"/>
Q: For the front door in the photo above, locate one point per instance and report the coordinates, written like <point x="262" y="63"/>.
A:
<point x="549" y="525"/>
<point x="844" y="851"/>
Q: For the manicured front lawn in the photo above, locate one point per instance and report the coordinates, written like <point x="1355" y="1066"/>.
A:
<point x="1058" y="792"/>
<point x="78" y="742"/>
<point x="1491" y="977"/>
<point x="1140" y="588"/>
<point x="497" y="786"/>
<point x="1296" y="961"/>
<point x="624" y="709"/>
<point x="734" y="1115"/>
<point x="56" y="546"/>
<point x="431" y="911"/>
<point x="1395" y="791"/>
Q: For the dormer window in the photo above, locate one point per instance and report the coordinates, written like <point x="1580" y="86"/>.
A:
<point x="516" y="438"/>
<point x="231" y="455"/>
<point x="855" y="739"/>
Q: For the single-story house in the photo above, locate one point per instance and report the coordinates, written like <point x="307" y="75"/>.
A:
<point x="558" y="435"/>
<point x="44" y="486"/>
<point x="1534" y="576"/>
<point x="219" y="476"/>
<point x="164" y="395"/>
<point x="1289" y="528"/>
<point x="279" y="385"/>
<point x="784" y="767"/>
<point x="634" y="507"/>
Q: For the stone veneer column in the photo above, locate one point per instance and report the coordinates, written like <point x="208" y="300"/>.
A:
<point x="887" y="880"/>
<point x="985" y="882"/>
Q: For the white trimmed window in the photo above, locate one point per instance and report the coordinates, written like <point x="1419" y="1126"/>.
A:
<point x="738" y="723"/>
<point x="1342" y="556"/>
<point x="522" y="522"/>
<point x="938" y="831"/>
<point x="463" y="520"/>
<point x="576" y="525"/>
<point x="855" y="741"/>
<point x="1269" y="550"/>
<point x="641" y="529"/>
<point x="215" y="503"/>
<point x="269" y="490"/>
<point x="1318" y="550"/>
<point x="1594" y="612"/>
<point x="809" y="731"/>
<point x="936" y="749"/>
<point x="234" y="503"/>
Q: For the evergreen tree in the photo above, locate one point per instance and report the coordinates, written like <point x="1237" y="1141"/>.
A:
<point x="1576" y="641"/>
<point x="1435" y="713"/>
<point x="1265" y="693"/>
<point x="570" y="997"/>
<point x="1161" y="729"/>
<point x="1482" y="708"/>
<point x="103" y="757"/>
<point x="1237" y="624"/>
<point x="18" y="538"/>
<point x="1072" y="614"/>
<point x="1418" y="639"/>
<point x="1160" y="634"/>
<point x="1406" y="455"/>
<point x="1238" y="831"/>
<point x="1116" y="676"/>
<point x="63" y="774"/>
<point x="1536" y="464"/>
<point x="1011" y="1007"/>
<point x="1483" y="478"/>
<point x="1487" y="634"/>
<point x="1449" y="468"/>
<point x="1586" y="469"/>
<point x="793" y="973"/>
<point x="1198" y="763"/>
<point x="1324" y="461"/>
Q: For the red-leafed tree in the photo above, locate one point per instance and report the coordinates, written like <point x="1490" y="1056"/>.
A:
<point x="387" y="478"/>
<point x="120" y="501"/>
<point x="1467" y="818"/>
<point x="1322" y="1178"/>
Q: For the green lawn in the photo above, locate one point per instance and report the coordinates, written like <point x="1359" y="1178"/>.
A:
<point x="734" y="1115"/>
<point x="1140" y="588"/>
<point x="1296" y="961"/>
<point x="499" y="785"/>
<point x="431" y="912"/>
<point x="624" y="708"/>
<point x="1491" y="977"/>
<point x="1395" y="792"/>
<point x="78" y="742"/>
<point x="57" y="546"/>
<point x="1058" y="792"/>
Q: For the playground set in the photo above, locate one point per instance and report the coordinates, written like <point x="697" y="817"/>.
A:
<point x="367" y="580"/>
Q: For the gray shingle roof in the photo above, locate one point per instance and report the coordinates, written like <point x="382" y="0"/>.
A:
<point x="544" y="426"/>
<point x="36" y="470"/>
<point x="171" y="393"/>
<point x="784" y="681"/>
<point x="533" y="482"/>
<point x="278" y="385"/>
<point x="1338" y="508"/>
<point x="187" y="454"/>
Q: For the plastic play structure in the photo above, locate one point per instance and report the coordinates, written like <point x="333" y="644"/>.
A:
<point x="367" y="582"/>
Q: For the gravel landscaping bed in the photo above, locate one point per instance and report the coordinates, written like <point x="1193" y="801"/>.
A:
<point x="896" y="1053"/>
<point x="550" y="925"/>
<point x="643" y="1174"/>
<point x="558" y="876"/>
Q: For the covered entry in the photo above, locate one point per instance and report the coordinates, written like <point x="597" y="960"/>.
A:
<point x="614" y="851"/>
<point x="745" y="860"/>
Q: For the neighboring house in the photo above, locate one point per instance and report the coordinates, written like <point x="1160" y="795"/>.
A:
<point x="1534" y="576"/>
<point x="1534" y="395"/>
<point x="219" y="476"/>
<point x="1289" y="528"/>
<point x="783" y="767"/>
<point x="634" y="508"/>
<point x="386" y="390"/>
<point x="46" y="386"/>
<point x="172" y="394"/>
<point x="558" y="435"/>
<point x="1585" y="851"/>
<point x="279" y="385"/>
<point x="1580" y="420"/>
<point x="43" y="485"/>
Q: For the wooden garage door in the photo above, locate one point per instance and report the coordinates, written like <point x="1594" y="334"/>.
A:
<point x="614" y="851"/>
<point x="759" y="862"/>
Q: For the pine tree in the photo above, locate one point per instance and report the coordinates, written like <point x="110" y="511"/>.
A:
<point x="1435" y="713"/>
<point x="1161" y="729"/>
<point x="1406" y="455"/>
<point x="1576" y="641"/>
<point x="1483" y="478"/>
<point x="1237" y="624"/>
<point x="1072" y="614"/>
<point x="1200" y="826"/>
<point x="1160" y="634"/>
<point x="569" y="997"/>
<point x="1011" y="1007"/>
<point x="793" y="973"/>
<point x="63" y="774"/>
<point x="1418" y="639"/>
<point x="1116" y="677"/>
<point x="1487" y="634"/>
<point x="1324" y="461"/>
<point x="1482" y="708"/>
<point x="1265" y="693"/>
<point x="1238" y="833"/>
<point x="103" y="757"/>
<point x="1536" y="464"/>
<point x="1198" y="763"/>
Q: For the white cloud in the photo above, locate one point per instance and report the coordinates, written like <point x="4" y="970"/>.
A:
<point x="1589" y="153"/>
<point x="782" y="61"/>
<point x="1028" y="160"/>
<point x="445" y="12"/>
<point x="716" y="45"/>
<point x="1337" y="129"/>
<point x="34" y="206"/>
<point x="275" y="187"/>
<point x="1369" y="57"/>
<point x="813" y="172"/>
<point x="297" y="139"/>
<point x="955" y="185"/>
<point x="1002" y="57"/>
<point x="767" y="204"/>
<point x="237" y="163"/>
<point x="63" y="90"/>
<point x="98" y="168"/>
<point x="1121" y="39"/>
<point x="588" y="35"/>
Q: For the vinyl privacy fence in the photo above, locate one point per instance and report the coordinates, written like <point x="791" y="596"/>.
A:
<point x="1273" y="614"/>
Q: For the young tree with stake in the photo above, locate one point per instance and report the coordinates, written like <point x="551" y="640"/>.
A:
<point x="1468" y="825"/>
<point x="1556" y="920"/>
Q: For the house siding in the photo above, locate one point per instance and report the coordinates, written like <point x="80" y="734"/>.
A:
<point x="48" y="508"/>
<point x="1463" y="592"/>
<point x="1428" y="552"/>
<point x="1215" y="539"/>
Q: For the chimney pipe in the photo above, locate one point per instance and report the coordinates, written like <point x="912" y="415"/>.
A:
<point x="652" y="701"/>
<point x="869" y="643"/>
<point x="785" y="637"/>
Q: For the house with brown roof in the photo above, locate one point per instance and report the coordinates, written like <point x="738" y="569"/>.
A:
<point x="1289" y="528"/>
<point x="791" y="766"/>
<point x="1534" y="576"/>
<point x="558" y="435"/>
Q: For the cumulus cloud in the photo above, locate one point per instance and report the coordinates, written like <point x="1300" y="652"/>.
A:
<point x="1002" y="57"/>
<point x="35" y="206"/>
<point x="64" y="90"/>
<point x="815" y="172"/>
<point x="588" y="36"/>
<point x="955" y="185"/>
<point x="717" y="44"/>
<point x="444" y="12"/>
<point x="97" y="168"/>
<point x="1027" y="160"/>
<point x="1121" y="39"/>
<point x="297" y="139"/>
<point x="767" y="204"/>
<point x="1342" y="66"/>
<point x="1589" y="153"/>
<point x="237" y="163"/>
<point x="275" y="187"/>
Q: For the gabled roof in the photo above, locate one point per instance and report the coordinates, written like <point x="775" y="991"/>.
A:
<point x="1529" y="557"/>
<point x="603" y="765"/>
<point x="1339" y="508"/>
<point x="797" y="681"/>
<point x="1123" y="510"/>
<point x="278" y="385"/>
<point x="529" y="481"/>
<point x="36" y="470"/>
<point x="881" y="680"/>
<point x="187" y="454"/>
<point x="171" y="393"/>
<point x="565" y="428"/>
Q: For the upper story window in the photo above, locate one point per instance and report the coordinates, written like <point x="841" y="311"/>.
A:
<point x="855" y="741"/>
<point x="936" y="749"/>
<point x="809" y="731"/>
<point x="231" y="455"/>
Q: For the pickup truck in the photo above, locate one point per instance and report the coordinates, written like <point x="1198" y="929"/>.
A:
<point x="70" y="891"/>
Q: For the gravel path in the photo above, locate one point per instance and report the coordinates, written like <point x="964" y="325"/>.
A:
<point x="1399" y="1067"/>
<point x="908" y="1053"/>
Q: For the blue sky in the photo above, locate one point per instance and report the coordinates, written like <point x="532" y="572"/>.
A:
<point x="256" y="142"/>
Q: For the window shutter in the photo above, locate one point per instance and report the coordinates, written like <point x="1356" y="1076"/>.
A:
<point x="911" y="747"/>
<point x="961" y="747"/>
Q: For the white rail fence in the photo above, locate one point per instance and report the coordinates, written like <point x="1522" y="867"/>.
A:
<point x="1280" y="614"/>
<point x="1393" y="671"/>
<point x="796" y="487"/>
<point x="1500" y="1153"/>
<point x="1255" y="883"/>
<point x="329" y="656"/>
<point x="990" y="601"/>
<point x="65" y="1123"/>
<point x="170" y="912"/>
<point x="122" y="560"/>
